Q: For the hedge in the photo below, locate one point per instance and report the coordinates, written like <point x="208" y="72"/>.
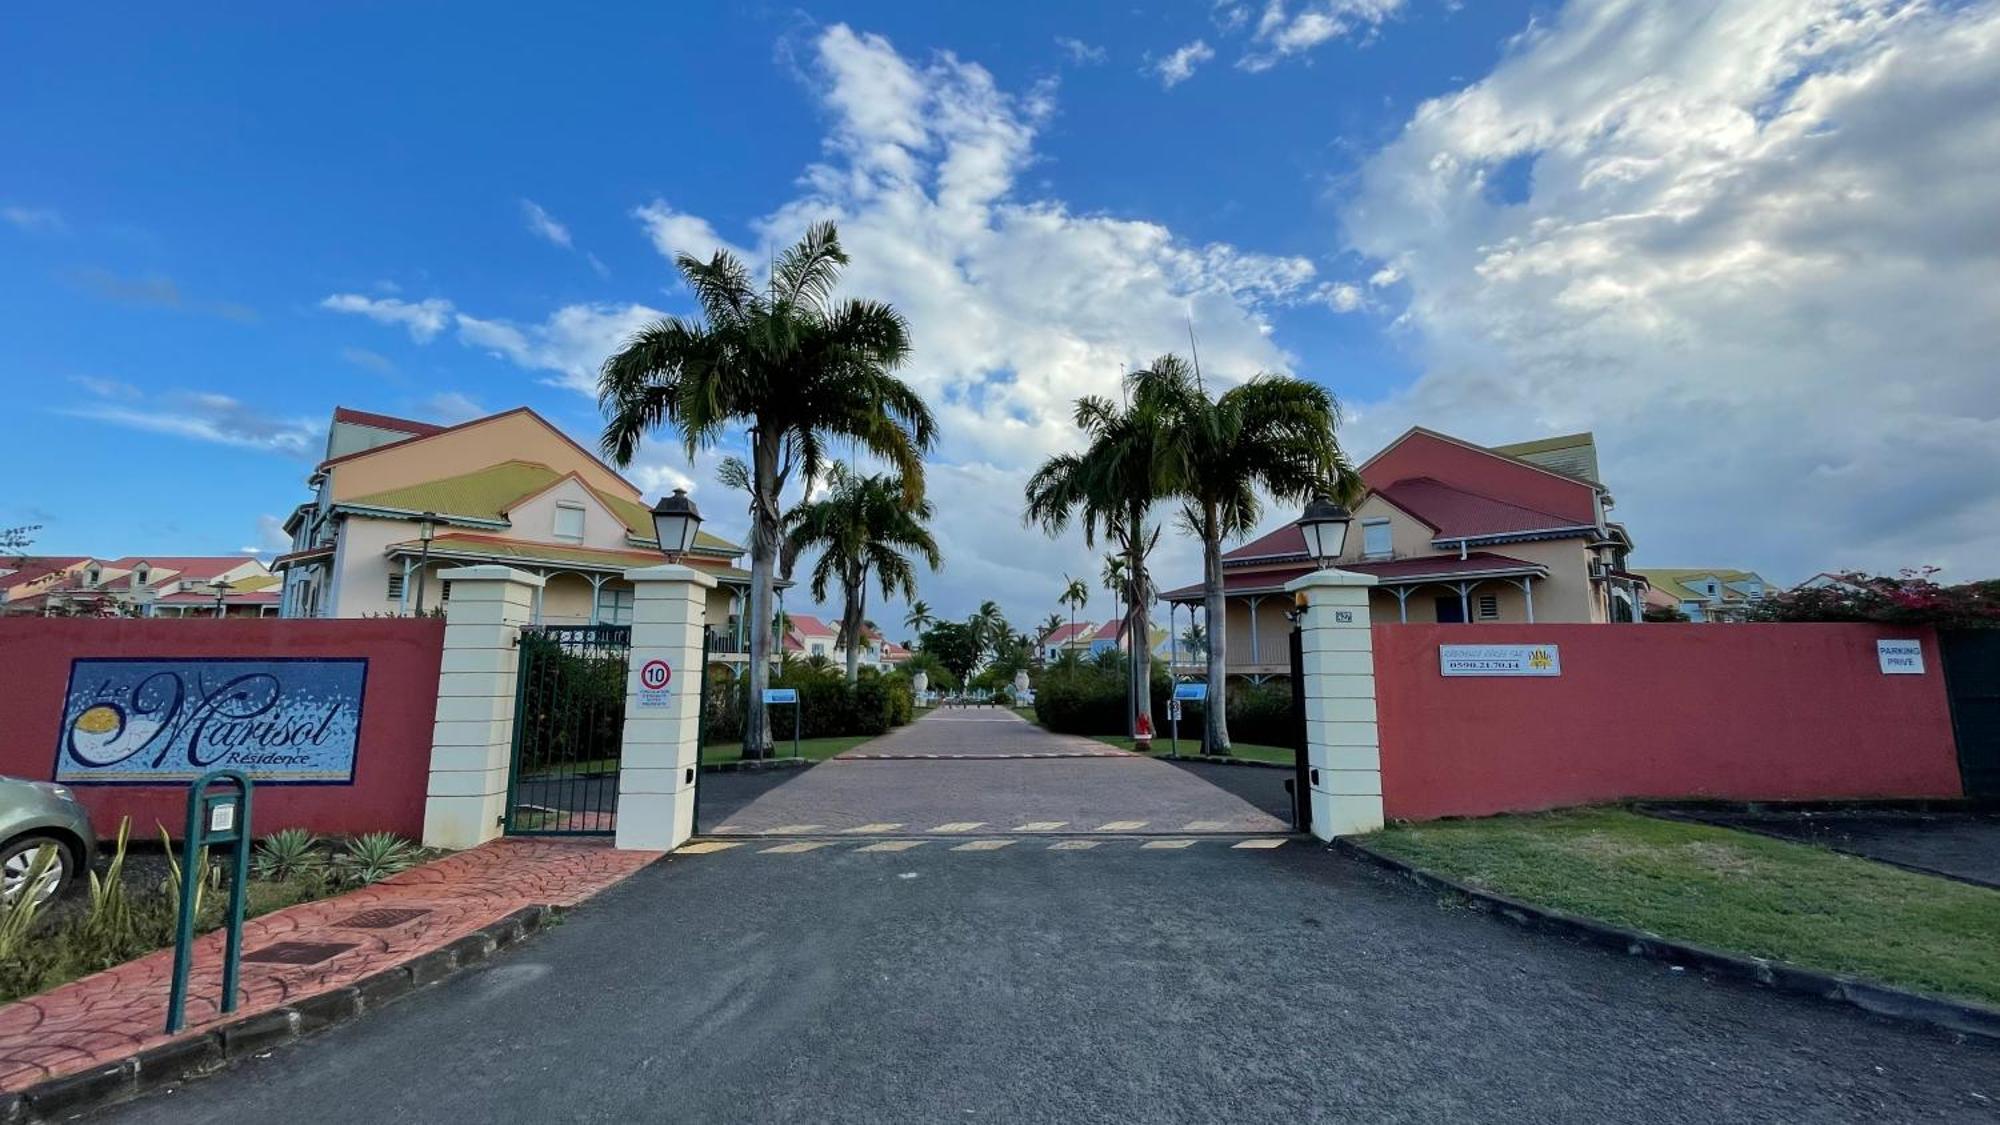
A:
<point x="1090" y="699"/>
<point x="828" y="707"/>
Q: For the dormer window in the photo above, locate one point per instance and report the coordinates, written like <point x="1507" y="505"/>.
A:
<point x="91" y="575"/>
<point x="141" y="575"/>
<point x="1712" y="589"/>
<point x="569" y="523"/>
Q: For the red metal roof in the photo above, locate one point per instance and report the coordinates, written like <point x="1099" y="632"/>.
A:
<point x="1064" y="632"/>
<point x="190" y="566"/>
<point x="385" y="422"/>
<point x="1248" y="579"/>
<point x="35" y="568"/>
<point x="1461" y="513"/>
<point x="808" y="626"/>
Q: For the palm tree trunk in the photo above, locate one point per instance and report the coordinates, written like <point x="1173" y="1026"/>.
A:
<point x="1217" y="707"/>
<point x="1142" y="647"/>
<point x="763" y="561"/>
<point x="850" y="623"/>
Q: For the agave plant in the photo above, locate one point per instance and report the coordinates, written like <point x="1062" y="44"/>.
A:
<point x="110" y="917"/>
<point x="287" y="853"/>
<point x="17" y="915"/>
<point x="375" y="856"/>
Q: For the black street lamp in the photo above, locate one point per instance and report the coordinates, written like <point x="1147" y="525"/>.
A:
<point x="221" y="587"/>
<point x="675" y="522"/>
<point x="426" y="531"/>
<point x="1324" y="525"/>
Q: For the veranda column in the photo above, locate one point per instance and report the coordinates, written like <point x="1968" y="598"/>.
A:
<point x="1343" y="747"/>
<point x="472" y="742"/>
<point x="662" y="750"/>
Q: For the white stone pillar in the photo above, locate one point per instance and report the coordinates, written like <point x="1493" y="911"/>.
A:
<point x="472" y="744"/>
<point x="1343" y="747"/>
<point x="662" y="750"/>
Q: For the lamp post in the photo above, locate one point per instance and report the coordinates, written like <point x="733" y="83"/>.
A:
<point x="675" y="522"/>
<point x="1324" y="526"/>
<point x="221" y="587"/>
<point x="426" y="531"/>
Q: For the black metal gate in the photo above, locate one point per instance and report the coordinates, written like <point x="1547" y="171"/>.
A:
<point x="569" y="723"/>
<point x="1972" y="683"/>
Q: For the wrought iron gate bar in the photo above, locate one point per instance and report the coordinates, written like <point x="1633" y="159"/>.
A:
<point x="569" y="724"/>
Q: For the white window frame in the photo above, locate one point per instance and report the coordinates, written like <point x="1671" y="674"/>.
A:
<point x="614" y="605"/>
<point x="1388" y="543"/>
<point x="556" y="526"/>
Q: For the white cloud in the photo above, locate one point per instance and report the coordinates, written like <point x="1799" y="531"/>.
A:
<point x="674" y="232"/>
<point x="572" y="342"/>
<point x="198" y="415"/>
<point x="1079" y="52"/>
<point x="1283" y="30"/>
<point x="544" y="225"/>
<point x="1386" y="276"/>
<point x="272" y="538"/>
<point x="1753" y="247"/>
<point x="35" y="220"/>
<point x="372" y="361"/>
<point x="452" y="407"/>
<point x="424" y="319"/>
<point x="1178" y="67"/>
<point x="1342" y="296"/>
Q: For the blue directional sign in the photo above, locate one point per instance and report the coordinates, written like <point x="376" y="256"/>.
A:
<point x="1197" y="692"/>
<point x="781" y="695"/>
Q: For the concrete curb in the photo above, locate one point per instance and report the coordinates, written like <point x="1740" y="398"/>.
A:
<point x="1692" y="815"/>
<point x="210" y="1050"/>
<point x="1967" y="1020"/>
<point x="756" y="765"/>
<point x="1212" y="760"/>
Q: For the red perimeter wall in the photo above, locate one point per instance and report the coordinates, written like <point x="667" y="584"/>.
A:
<point x="391" y="761"/>
<point x="1749" y="712"/>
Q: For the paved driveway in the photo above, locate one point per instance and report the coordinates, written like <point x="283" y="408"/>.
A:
<point x="1962" y="844"/>
<point x="984" y="771"/>
<point x="1043" y="983"/>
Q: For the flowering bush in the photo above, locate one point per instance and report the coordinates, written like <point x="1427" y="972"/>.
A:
<point x="1910" y="598"/>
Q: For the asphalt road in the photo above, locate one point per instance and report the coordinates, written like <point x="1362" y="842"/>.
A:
<point x="1118" y="983"/>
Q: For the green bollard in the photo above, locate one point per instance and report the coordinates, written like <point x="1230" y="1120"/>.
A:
<point x="222" y="818"/>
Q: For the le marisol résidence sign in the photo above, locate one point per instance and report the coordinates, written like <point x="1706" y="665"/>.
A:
<point x="151" y="722"/>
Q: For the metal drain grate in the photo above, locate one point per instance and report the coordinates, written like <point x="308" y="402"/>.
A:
<point x="298" y="952"/>
<point x="381" y="918"/>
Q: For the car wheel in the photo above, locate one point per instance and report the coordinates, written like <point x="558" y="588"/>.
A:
<point x="17" y="863"/>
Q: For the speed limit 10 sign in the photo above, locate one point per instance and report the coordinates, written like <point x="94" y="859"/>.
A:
<point x="654" y="678"/>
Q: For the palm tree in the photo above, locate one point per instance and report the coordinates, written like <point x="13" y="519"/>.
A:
<point x="862" y="526"/>
<point x="799" y="367"/>
<point x="1274" y="434"/>
<point x="1075" y="595"/>
<point x="989" y="628"/>
<point x="1112" y="485"/>
<point x="1050" y="624"/>
<point x="919" y="618"/>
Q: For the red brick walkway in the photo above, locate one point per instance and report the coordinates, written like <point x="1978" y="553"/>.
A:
<point x="120" y="1011"/>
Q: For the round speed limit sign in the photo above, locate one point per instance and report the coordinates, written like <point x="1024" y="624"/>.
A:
<point x="655" y="675"/>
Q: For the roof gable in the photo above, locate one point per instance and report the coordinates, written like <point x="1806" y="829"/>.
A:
<point x="1472" y="468"/>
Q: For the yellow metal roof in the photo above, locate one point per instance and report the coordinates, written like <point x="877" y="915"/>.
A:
<point x="495" y="547"/>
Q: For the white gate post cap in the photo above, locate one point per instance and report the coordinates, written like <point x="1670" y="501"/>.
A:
<point x="1332" y="576"/>
<point x="671" y="572"/>
<point x="490" y="572"/>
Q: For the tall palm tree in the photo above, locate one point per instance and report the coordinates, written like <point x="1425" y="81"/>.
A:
<point x="862" y="526"/>
<point x="1075" y="595"/>
<point x="1273" y="434"/>
<point x="1124" y="468"/>
<point x="919" y="618"/>
<point x="990" y="630"/>
<point x="796" y="365"/>
<point x="1050" y="624"/>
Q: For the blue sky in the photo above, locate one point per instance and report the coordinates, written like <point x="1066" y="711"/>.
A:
<point x="1496" y="219"/>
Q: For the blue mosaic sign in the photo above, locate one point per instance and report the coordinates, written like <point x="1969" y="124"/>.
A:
<point x="152" y="722"/>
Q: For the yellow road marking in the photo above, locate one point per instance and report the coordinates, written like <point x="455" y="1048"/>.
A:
<point x="959" y="826"/>
<point x="1041" y="826"/>
<point x="1167" y="844"/>
<point x="1279" y="843"/>
<point x="1072" y="845"/>
<point x="706" y="846"/>
<point x="893" y="846"/>
<point x="795" y="829"/>
<point x="1205" y="826"/>
<point x="982" y="845"/>
<point x="1121" y="826"/>
<point x="872" y="828"/>
<point x="794" y="849"/>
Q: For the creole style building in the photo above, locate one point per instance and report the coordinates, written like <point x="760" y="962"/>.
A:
<point x="1453" y="532"/>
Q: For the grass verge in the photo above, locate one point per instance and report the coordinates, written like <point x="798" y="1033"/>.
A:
<point x="1191" y="748"/>
<point x="811" y="749"/>
<point x="1727" y="890"/>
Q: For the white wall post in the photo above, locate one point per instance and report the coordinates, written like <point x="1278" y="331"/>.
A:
<point x="1343" y="746"/>
<point x="662" y="750"/>
<point x="472" y="743"/>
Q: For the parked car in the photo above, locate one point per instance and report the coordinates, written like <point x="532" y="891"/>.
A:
<point x="34" y="813"/>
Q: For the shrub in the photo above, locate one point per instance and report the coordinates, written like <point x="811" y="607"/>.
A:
<point x="374" y="857"/>
<point x="828" y="706"/>
<point x="1911" y="598"/>
<point x="286" y="853"/>
<point x="1089" y="698"/>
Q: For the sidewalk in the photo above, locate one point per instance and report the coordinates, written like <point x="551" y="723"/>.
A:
<point x="340" y="940"/>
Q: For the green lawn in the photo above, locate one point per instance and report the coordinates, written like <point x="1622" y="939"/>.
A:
<point x="1191" y="748"/>
<point x="1726" y="890"/>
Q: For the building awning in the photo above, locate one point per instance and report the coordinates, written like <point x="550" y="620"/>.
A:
<point x="1393" y="572"/>
<point x="462" y="547"/>
<point x="297" y="558"/>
